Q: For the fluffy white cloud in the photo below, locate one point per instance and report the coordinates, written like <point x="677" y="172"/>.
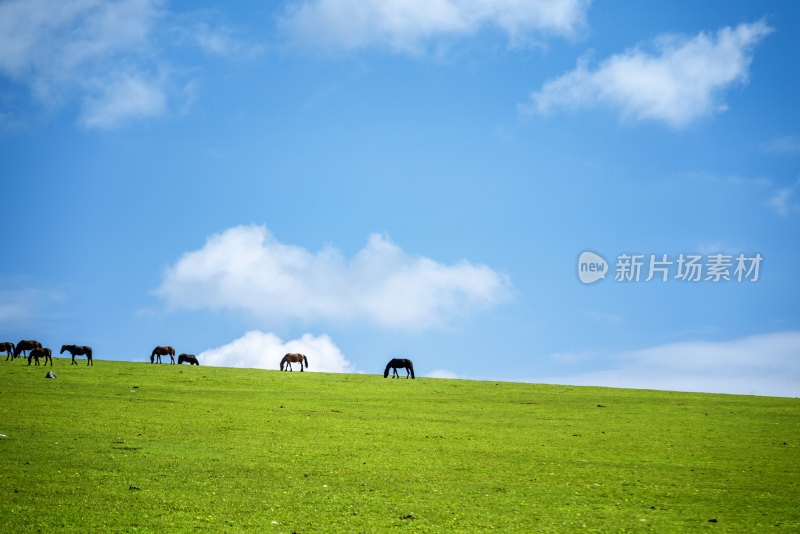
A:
<point x="107" y="55"/>
<point x="767" y="364"/>
<point x="261" y="350"/>
<point x="246" y="268"/>
<point x="89" y="47"/>
<point x="678" y="83"/>
<point x="408" y="25"/>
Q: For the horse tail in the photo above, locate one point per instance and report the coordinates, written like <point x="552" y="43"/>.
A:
<point x="305" y="360"/>
<point x="89" y="352"/>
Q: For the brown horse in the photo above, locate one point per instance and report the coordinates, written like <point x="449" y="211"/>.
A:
<point x="163" y="351"/>
<point x="77" y="350"/>
<point x="26" y="344"/>
<point x="293" y="358"/>
<point x="39" y="352"/>
<point x="191" y="359"/>
<point x="8" y="347"/>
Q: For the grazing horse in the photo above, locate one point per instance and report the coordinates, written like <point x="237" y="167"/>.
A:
<point x="24" y="345"/>
<point x="293" y="358"/>
<point x="191" y="359"/>
<point x="39" y="352"/>
<point x="163" y="351"/>
<point x="77" y="350"/>
<point x="8" y="347"/>
<point x="397" y="363"/>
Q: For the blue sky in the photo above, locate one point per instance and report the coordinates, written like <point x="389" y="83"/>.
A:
<point x="363" y="179"/>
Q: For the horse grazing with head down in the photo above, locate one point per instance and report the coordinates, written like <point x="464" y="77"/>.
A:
<point x="8" y="348"/>
<point x="397" y="363"/>
<point x="78" y="350"/>
<point x="26" y="344"/>
<point x="163" y="351"/>
<point x="39" y="352"/>
<point x="191" y="359"/>
<point x="293" y="358"/>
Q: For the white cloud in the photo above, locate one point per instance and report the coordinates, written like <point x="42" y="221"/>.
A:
<point x="677" y="84"/>
<point x="246" y="268"/>
<point x="789" y="144"/>
<point x="128" y="97"/>
<point x="21" y="305"/>
<point x="443" y="373"/>
<point x="261" y="350"/>
<point x="408" y="25"/>
<point x="107" y="55"/>
<point x="785" y="200"/>
<point x="767" y="364"/>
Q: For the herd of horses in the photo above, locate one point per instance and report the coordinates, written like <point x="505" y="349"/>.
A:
<point x="36" y="351"/>
<point x="159" y="351"/>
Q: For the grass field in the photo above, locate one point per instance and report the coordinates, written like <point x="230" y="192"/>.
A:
<point x="133" y="447"/>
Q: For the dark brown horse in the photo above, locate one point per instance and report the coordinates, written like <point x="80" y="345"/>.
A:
<point x="8" y="347"/>
<point x="39" y="352"/>
<point x="78" y="350"/>
<point x="26" y="344"/>
<point x="191" y="359"/>
<point x="398" y="363"/>
<point x="163" y="351"/>
<point x="293" y="358"/>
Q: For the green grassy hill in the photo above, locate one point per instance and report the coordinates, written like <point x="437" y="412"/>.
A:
<point x="139" y="447"/>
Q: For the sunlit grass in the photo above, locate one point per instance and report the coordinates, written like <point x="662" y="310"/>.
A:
<point x="220" y="449"/>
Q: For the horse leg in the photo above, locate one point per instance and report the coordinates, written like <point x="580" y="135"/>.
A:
<point x="89" y="360"/>
<point x="73" y="360"/>
<point x="172" y="359"/>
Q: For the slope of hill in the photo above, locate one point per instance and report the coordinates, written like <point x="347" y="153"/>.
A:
<point x="139" y="447"/>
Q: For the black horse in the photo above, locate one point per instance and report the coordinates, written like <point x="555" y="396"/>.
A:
<point x="78" y="350"/>
<point x="8" y="348"/>
<point x="26" y="344"/>
<point x="398" y="363"/>
<point x="191" y="359"/>
<point x="39" y="352"/>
